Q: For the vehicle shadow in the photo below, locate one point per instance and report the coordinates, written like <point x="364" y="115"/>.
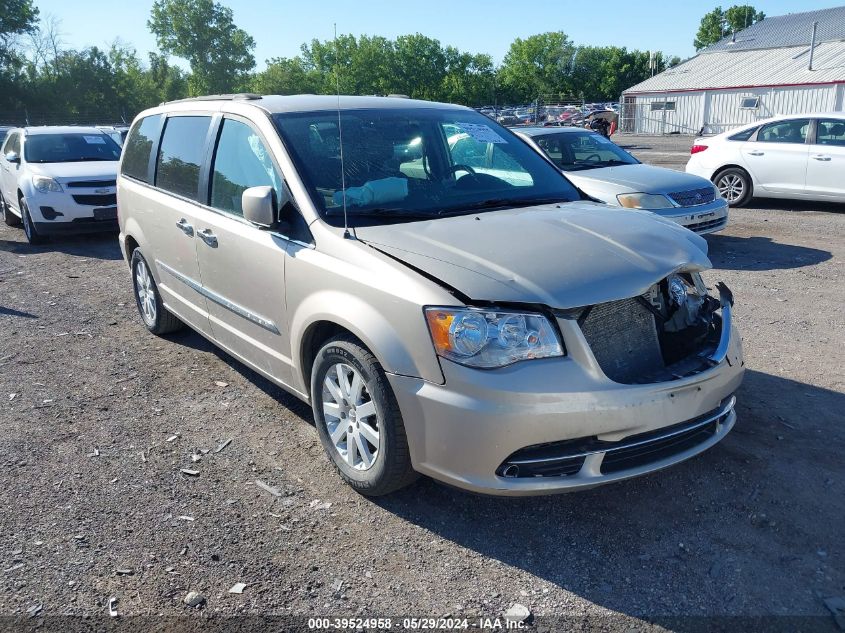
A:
<point x="189" y="338"/>
<point x="794" y="206"/>
<point x="95" y="246"/>
<point x="761" y="253"/>
<point x="728" y="532"/>
<point x="4" y="311"/>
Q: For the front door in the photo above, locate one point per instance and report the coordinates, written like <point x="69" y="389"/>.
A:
<point x="243" y="266"/>
<point x="778" y="158"/>
<point x="826" y="164"/>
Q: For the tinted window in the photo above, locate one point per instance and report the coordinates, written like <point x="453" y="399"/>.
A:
<point x="70" y="148"/>
<point x="750" y="103"/>
<point x="240" y="162"/>
<point x="793" y="131"/>
<point x="744" y="135"/>
<point x="180" y="154"/>
<point x="831" y="132"/>
<point x="139" y="144"/>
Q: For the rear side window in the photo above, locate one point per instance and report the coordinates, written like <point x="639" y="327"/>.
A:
<point x="791" y="131"/>
<point x="744" y="135"/>
<point x="139" y="144"/>
<point x="180" y="155"/>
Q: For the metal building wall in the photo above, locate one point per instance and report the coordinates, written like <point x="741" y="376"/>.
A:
<point x="719" y="110"/>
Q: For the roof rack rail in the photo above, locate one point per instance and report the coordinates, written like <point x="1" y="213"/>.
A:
<point x="240" y="96"/>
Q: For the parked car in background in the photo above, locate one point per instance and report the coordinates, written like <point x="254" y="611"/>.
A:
<point x="117" y="132"/>
<point x="481" y="324"/>
<point x="59" y="180"/>
<point x="605" y="171"/>
<point x="795" y="157"/>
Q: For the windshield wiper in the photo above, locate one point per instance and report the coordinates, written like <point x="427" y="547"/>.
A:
<point x="380" y="212"/>
<point x="494" y="203"/>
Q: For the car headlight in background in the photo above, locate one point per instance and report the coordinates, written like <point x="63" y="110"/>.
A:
<point x="491" y="338"/>
<point x="45" y="184"/>
<point x="644" y="201"/>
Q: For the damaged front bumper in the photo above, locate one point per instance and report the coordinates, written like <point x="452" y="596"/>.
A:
<point x="469" y="431"/>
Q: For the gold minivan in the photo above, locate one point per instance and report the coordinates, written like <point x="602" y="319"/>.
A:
<point x="473" y="317"/>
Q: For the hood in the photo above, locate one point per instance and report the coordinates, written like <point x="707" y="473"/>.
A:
<point x="86" y="170"/>
<point x="636" y="178"/>
<point x="562" y="256"/>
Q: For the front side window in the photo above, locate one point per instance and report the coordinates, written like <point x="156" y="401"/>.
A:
<point x="575" y="151"/>
<point x="241" y="161"/>
<point x="792" y="131"/>
<point x="73" y="147"/>
<point x="831" y="132"/>
<point x="180" y="155"/>
<point x="139" y="145"/>
<point x="415" y="163"/>
<point x="13" y="144"/>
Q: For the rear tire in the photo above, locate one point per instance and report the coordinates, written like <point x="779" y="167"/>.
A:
<point x="29" y="229"/>
<point x="358" y="419"/>
<point x="735" y="186"/>
<point x="9" y="218"/>
<point x="158" y="319"/>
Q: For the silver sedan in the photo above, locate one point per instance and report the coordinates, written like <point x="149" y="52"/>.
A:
<point x="605" y="171"/>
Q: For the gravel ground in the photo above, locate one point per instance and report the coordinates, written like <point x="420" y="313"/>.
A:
<point x="98" y="418"/>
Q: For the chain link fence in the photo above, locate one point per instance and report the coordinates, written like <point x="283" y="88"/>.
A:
<point x="47" y="117"/>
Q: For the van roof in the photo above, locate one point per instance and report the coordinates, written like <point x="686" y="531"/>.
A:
<point x="307" y="103"/>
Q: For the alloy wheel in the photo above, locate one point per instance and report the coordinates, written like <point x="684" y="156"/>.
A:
<point x="350" y="416"/>
<point x="146" y="295"/>
<point x="731" y="186"/>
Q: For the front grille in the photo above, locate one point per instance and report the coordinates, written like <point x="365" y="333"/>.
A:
<point x="647" y="448"/>
<point x="567" y="457"/>
<point x="706" y="225"/>
<point x="623" y="338"/>
<point x="694" y="197"/>
<point x="96" y="200"/>
<point x="92" y="183"/>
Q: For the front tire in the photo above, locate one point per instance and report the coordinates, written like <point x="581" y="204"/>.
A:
<point x="358" y="419"/>
<point x="158" y="319"/>
<point x="29" y="230"/>
<point x="9" y="218"/>
<point x="735" y="186"/>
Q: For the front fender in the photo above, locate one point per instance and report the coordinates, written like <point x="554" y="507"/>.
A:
<point x="391" y="347"/>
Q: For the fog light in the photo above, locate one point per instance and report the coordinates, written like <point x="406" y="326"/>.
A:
<point x="49" y="213"/>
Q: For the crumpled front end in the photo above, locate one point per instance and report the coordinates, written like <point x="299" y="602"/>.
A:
<point x="646" y="382"/>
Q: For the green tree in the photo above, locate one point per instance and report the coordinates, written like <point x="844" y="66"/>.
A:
<point x="539" y="64"/>
<point x="17" y="17"/>
<point x="718" y="23"/>
<point x="204" y="33"/>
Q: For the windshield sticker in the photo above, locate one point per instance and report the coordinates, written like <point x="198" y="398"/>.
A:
<point x="481" y="133"/>
<point x="94" y="140"/>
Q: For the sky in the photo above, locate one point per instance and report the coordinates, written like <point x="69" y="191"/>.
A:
<point x="489" y="26"/>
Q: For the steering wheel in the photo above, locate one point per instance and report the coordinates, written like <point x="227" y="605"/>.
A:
<point x="589" y="158"/>
<point x="459" y="167"/>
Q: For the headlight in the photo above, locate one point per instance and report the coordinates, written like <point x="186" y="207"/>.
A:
<point x="45" y="184"/>
<point x="644" y="201"/>
<point x="491" y="338"/>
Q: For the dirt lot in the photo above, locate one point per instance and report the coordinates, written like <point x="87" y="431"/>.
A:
<point x="97" y="417"/>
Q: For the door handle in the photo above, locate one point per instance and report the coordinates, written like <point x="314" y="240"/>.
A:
<point x="756" y="153"/>
<point x="186" y="228"/>
<point x="208" y="237"/>
<point x="821" y="157"/>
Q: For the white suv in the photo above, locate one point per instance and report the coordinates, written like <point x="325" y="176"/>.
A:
<point x="59" y="180"/>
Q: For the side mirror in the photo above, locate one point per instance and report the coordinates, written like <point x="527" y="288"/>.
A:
<point x="13" y="157"/>
<point x="259" y="205"/>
